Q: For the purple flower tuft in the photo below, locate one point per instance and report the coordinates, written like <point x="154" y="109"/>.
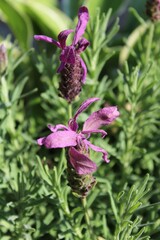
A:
<point x="153" y="9"/>
<point x="72" y="68"/>
<point x="3" y="58"/>
<point x="77" y="141"/>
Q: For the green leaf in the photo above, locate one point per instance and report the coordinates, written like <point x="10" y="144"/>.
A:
<point x="4" y="91"/>
<point x="44" y="172"/>
<point x="47" y="18"/>
<point x="143" y="189"/>
<point x="131" y="41"/>
<point x="104" y="5"/>
<point x="19" y="88"/>
<point x="18" y="21"/>
<point x="21" y="58"/>
<point x="134" y="207"/>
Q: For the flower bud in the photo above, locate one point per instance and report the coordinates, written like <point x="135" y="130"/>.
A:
<point x="3" y="58"/>
<point x="153" y="10"/>
<point x="80" y="184"/>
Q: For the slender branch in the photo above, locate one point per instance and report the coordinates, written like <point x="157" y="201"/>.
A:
<point x="87" y="219"/>
<point x="70" y="110"/>
<point x="84" y="203"/>
<point x="150" y="39"/>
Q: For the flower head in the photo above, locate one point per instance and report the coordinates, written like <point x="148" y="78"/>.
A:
<point x="153" y="9"/>
<point x="72" y="68"/>
<point x="3" y="58"/>
<point x="77" y="141"/>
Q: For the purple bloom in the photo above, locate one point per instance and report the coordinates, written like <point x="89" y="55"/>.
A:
<point x="68" y="54"/>
<point x="77" y="141"/>
<point x="153" y="10"/>
<point x="3" y="58"/>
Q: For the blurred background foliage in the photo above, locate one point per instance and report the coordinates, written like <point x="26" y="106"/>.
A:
<point x="123" y="70"/>
<point x="52" y="16"/>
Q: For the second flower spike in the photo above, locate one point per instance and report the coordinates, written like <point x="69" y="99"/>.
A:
<point x="79" y="165"/>
<point x="72" y="68"/>
<point x="76" y="141"/>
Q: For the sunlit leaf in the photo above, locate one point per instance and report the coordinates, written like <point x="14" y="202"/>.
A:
<point x="18" y="21"/>
<point x="49" y="19"/>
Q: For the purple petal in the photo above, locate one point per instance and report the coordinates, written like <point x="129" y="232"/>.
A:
<point x="84" y="71"/>
<point x="62" y="65"/>
<point x="63" y="36"/>
<point x="98" y="149"/>
<point x="40" y="141"/>
<point x="59" y="139"/>
<point x="82" y="45"/>
<point x="83" y="17"/>
<point x="68" y="55"/>
<point x="80" y="162"/>
<point x="55" y="128"/>
<point x="102" y="117"/>
<point x="103" y="133"/>
<point x="72" y="123"/>
<point x="85" y="105"/>
<point x="47" y="39"/>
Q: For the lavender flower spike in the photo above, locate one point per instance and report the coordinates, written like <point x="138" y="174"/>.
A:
<point x="77" y="141"/>
<point x="153" y="10"/>
<point x="72" y="68"/>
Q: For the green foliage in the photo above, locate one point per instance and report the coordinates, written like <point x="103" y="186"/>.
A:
<point x="129" y="204"/>
<point x="35" y="199"/>
<point x="21" y="24"/>
<point x="142" y="126"/>
<point x="22" y="15"/>
<point x="99" y="52"/>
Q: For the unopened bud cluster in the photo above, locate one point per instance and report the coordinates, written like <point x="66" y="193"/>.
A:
<point x="3" y="58"/>
<point x="153" y="10"/>
<point x="80" y="184"/>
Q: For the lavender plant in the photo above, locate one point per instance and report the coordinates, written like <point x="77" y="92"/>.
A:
<point x="36" y="183"/>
